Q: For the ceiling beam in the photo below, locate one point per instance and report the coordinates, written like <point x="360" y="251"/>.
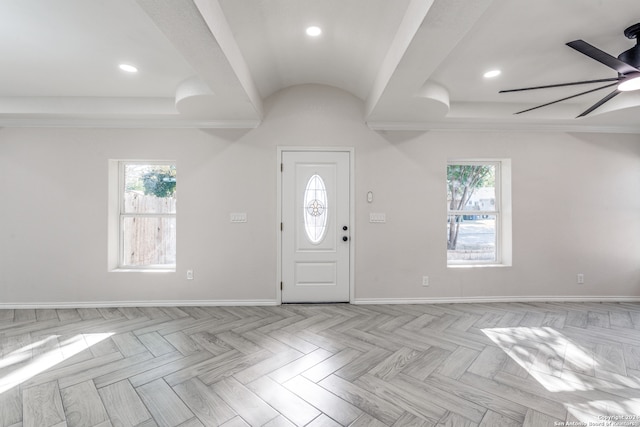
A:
<point x="213" y="15"/>
<point x="430" y="30"/>
<point x="411" y="22"/>
<point x="201" y="33"/>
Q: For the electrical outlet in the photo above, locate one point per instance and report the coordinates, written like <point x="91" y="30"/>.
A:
<point x="425" y="280"/>
<point x="580" y="279"/>
<point x="189" y="274"/>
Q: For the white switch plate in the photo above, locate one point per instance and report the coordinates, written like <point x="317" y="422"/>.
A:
<point x="189" y="274"/>
<point x="239" y="217"/>
<point x="377" y="217"/>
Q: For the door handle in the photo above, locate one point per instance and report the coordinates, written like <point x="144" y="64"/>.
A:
<point x="345" y="238"/>
<point x="345" y="228"/>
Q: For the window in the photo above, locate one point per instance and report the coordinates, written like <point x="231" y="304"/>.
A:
<point x="147" y="215"/>
<point x="478" y="231"/>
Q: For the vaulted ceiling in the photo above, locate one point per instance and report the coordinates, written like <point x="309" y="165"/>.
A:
<point x="415" y="64"/>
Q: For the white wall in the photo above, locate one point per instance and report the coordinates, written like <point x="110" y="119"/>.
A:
<point x="576" y="209"/>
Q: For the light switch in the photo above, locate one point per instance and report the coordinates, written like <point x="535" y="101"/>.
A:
<point x="239" y="217"/>
<point x="377" y="217"/>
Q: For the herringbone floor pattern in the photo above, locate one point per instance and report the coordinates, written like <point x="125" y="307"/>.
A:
<point x="492" y="365"/>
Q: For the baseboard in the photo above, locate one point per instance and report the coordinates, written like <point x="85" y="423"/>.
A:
<point x="455" y="300"/>
<point x="357" y="301"/>
<point x="161" y="303"/>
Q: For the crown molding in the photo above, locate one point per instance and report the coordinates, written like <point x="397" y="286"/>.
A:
<point x="161" y="123"/>
<point x="499" y="127"/>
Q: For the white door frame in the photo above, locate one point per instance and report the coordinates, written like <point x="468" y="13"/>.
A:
<point x="352" y="209"/>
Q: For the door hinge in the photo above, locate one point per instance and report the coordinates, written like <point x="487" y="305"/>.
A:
<point x="280" y="226"/>
<point x="280" y="285"/>
<point x="281" y="167"/>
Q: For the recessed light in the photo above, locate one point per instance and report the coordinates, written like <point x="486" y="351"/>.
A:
<point x="630" y="84"/>
<point x="314" y="31"/>
<point x="128" y="68"/>
<point x="491" y="74"/>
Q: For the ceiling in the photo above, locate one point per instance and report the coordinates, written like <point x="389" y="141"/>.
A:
<point x="415" y="64"/>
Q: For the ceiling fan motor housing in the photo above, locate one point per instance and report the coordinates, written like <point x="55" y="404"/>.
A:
<point x="632" y="56"/>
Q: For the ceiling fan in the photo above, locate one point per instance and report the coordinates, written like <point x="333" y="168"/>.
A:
<point x="627" y="64"/>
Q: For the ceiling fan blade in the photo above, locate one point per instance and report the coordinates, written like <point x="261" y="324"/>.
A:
<point x="583" y="82"/>
<point x="599" y="103"/>
<point x="602" y="57"/>
<point x="568" y="97"/>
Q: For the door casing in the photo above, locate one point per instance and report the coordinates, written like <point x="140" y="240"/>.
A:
<point x="352" y="226"/>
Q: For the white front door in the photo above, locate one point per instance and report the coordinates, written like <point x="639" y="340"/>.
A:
<point x="316" y="238"/>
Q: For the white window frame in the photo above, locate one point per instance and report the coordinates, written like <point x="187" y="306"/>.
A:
<point x="116" y="248"/>
<point x="501" y="211"/>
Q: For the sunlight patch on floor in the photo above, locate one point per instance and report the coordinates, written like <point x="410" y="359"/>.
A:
<point x="21" y="365"/>
<point x="569" y="370"/>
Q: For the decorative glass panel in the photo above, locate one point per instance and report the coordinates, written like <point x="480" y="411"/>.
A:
<point x="315" y="209"/>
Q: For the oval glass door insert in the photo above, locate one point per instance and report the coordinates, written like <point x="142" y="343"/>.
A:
<point x="315" y="209"/>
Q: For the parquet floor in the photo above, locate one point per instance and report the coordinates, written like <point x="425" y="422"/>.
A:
<point x="508" y="364"/>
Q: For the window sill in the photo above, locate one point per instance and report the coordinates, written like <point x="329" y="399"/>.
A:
<point x="462" y="266"/>
<point x="143" y="270"/>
